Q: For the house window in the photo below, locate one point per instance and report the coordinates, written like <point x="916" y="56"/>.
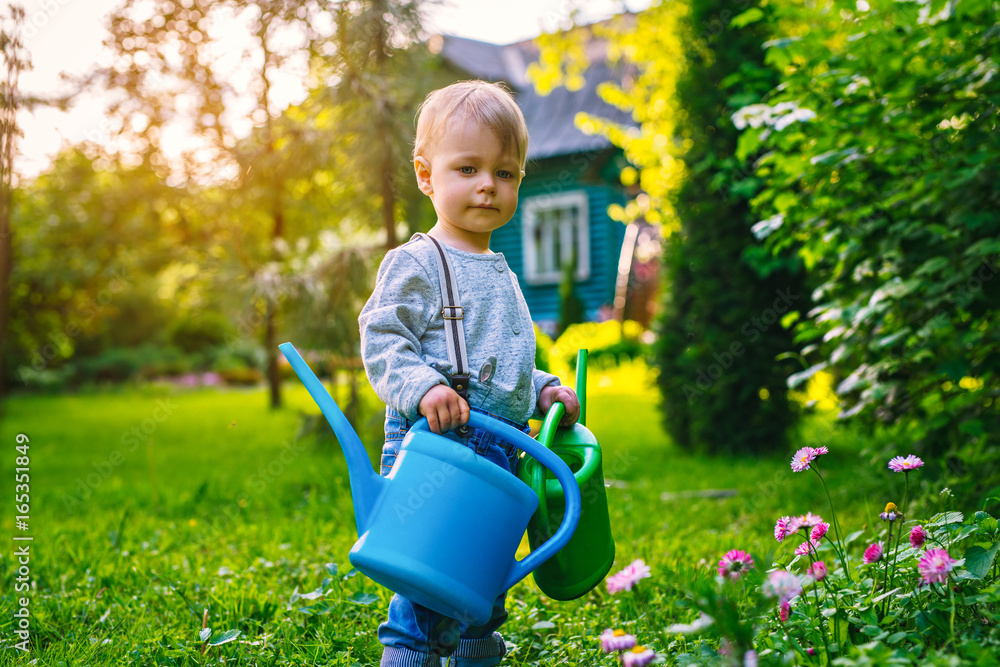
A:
<point x="553" y="226"/>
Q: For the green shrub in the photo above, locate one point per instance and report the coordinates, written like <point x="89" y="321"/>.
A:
<point x="200" y="331"/>
<point x="241" y="376"/>
<point x="571" y="309"/>
<point x="237" y="353"/>
<point x="120" y="364"/>
<point x="895" y="215"/>
<point x="607" y="342"/>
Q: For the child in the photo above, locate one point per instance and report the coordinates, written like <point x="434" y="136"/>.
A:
<point x="469" y="159"/>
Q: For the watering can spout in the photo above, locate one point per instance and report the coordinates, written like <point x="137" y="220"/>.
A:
<point x="366" y="484"/>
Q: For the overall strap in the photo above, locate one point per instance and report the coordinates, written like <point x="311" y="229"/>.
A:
<point x="454" y="329"/>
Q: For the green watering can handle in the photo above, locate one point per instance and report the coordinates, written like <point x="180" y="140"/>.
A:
<point x="548" y="432"/>
<point x="551" y="422"/>
<point x="546" y="437"/>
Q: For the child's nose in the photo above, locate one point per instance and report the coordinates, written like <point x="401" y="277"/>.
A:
<point x="488" y="184"/>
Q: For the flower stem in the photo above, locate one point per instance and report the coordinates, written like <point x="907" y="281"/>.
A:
<point x="836" y="607"/>
<point x="822" y="626"/>
<point x="895" y="558"/>
<point x="888" y="566"/>
<point x="906" y="491"/>
<point x="951" y="594"/>
<point x="836" y="525"/>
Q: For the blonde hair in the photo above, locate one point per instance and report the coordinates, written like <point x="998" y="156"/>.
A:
<point x="489" y="104"/>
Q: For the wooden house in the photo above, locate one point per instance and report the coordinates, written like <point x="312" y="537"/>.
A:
<point x="571" y="179"/>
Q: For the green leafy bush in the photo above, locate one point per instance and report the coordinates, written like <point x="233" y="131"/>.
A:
<point x="877" y="156"/>
<point x="571" y="308"/>
<point x="199" y="332"/>
<point x="127" y="363"/>
<point x="720" y="329"/>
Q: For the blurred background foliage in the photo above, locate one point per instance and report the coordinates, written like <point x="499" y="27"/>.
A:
<point x="842" y="152"/>
<point x="824" y="172"/>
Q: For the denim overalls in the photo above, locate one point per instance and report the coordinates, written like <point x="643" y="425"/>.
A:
<point x="415" y="636"/>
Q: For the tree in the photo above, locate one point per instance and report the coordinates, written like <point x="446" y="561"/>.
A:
<point x="91" y="242"/>
<point x="379" y="74"/>
<point x="14" y="61"/>
<point x="174" y="73"/>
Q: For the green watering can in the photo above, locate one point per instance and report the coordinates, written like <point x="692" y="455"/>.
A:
<point x="583" y="563"/>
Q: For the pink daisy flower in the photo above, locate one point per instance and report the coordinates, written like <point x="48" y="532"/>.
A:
<point x="735" y="564"/>
<point x="782" y="585"/>
<point x="638" y="656"/>
<point x="628" y="577"/>
<point x="781" y="528"/>
<point x="904" y="463"/>
<point x="817" y="571"/>
<point x="819" y="531"/>
<point x="809" y="519"/>
<point x="918" y="536"/>
<point x="794" y="524"/>
<point x="804" y="548"/>
<point x="784" y="611"/>
<point x="806" y="456"/>
<point x="935" y="565"/>
<point x="873" y="553"/>
<point x="616" y="640"/>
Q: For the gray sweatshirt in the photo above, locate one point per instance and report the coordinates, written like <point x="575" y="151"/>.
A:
<point x="403" y="344"/>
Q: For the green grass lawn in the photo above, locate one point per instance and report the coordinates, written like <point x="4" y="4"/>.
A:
<point x="152" y="506"/>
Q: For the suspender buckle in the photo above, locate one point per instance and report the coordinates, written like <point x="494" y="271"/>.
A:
<point x="460" y="383"/>
<point x="459" y="316"/>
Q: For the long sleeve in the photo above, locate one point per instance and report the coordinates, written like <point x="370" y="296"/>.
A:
<point x="540" y="380"/>
<point x="403" y="341"/>
<point x="392" y="323"/>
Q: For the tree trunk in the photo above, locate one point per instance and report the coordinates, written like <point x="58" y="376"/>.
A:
<point x="271" y="344"/>
<point x="6" y="263"/>
<point x="9" y="103"/>
<point x="271" y="333"/>
<point x="389" y="198"/>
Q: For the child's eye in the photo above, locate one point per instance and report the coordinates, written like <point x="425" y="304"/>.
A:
<point x="467" y="170"/>
<point x="505" y="174"/>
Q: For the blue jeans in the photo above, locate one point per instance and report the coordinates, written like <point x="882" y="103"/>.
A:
<point x="415" y="636"/>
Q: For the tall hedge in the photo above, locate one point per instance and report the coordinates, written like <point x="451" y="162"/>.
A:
<point x="686" y="68"/>
<point x="725" y="311"/>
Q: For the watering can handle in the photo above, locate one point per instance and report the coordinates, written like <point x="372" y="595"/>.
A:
<point x="522" y="568"/>
<point x="545" y="437"/>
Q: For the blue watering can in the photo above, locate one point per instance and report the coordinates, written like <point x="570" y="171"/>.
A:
<point x="443" y="528"/>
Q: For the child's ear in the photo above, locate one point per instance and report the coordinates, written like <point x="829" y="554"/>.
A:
<point x="422" y="168"/>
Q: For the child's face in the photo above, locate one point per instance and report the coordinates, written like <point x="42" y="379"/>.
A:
<point x="472" y="182"/>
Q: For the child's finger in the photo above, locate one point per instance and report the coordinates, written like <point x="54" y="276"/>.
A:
<point x="454" y="408"/>
<point x="463" y="411"/>
<point x="432" y="421"/>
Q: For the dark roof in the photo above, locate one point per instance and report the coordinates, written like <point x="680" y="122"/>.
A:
<point x="550" y="118"/>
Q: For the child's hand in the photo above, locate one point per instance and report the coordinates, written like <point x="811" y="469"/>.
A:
<point x="558" y="394"/>
<point x="444" y="408"/>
